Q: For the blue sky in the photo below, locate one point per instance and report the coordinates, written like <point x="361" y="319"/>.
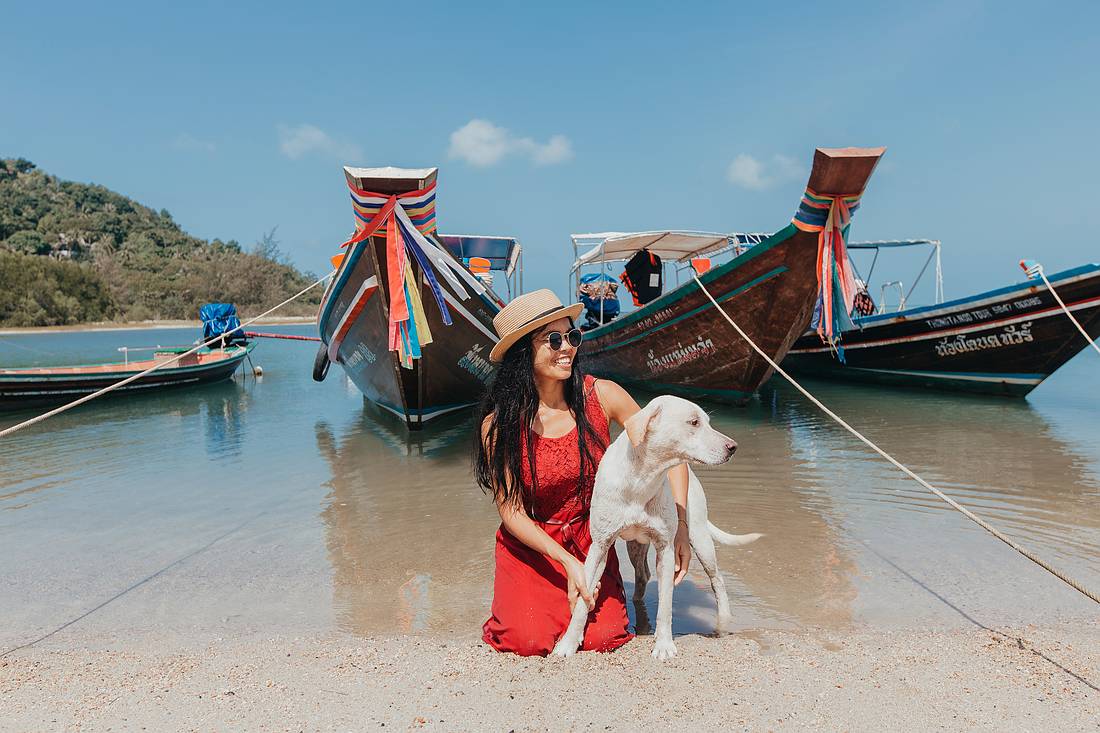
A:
<point x="574" y="117"/>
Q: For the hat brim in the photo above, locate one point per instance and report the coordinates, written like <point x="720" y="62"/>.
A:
<point x="568" y="311"/>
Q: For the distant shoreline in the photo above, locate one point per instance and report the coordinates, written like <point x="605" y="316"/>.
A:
<point x="143" y="325"/>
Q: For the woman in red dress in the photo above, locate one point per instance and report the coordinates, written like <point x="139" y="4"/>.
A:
<point x="544" y="428"/>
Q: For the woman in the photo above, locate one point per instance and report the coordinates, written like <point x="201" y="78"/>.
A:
<point x="540" y="398"/>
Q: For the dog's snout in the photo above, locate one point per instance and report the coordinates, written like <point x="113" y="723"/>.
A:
<point x="731" y="446"/>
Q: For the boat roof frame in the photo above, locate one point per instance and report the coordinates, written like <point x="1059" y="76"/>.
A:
<point x="713" y="243"/>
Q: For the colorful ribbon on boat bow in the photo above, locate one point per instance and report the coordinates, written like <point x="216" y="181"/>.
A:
<point x="406" y="220"/>
<point x="830" y="216"/>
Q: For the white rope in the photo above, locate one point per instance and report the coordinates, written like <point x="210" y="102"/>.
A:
<point x="122" y="383"/>
<point x="954" y="504"/>
<point x="1037" y="269"/>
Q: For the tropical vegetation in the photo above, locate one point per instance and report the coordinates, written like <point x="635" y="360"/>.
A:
<point x="76" y="253"/>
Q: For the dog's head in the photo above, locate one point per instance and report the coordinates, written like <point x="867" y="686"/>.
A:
<point x="671" y="428"/>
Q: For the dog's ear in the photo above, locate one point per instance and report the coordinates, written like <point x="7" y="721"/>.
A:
<point x="637" y="425"/>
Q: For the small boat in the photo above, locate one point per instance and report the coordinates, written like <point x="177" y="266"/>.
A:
<point x="36" y="386"/>
<point x="678" y="342"/>
<point x="1004" y="341"/>
<point x="409" y="312"/>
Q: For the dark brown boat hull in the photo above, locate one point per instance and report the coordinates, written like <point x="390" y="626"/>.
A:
<point x="681" y="344"/>
<point x="453" y="369"/>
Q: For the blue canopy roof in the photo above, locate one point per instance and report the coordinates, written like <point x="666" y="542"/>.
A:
<point x="502" y="252"/>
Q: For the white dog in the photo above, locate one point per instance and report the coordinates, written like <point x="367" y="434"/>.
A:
<point x="631" y="499"/>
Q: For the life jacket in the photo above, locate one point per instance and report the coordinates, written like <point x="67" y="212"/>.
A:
<point x="643" y="277"/>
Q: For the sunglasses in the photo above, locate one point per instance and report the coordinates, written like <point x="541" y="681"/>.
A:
<point x="557" y="340"/>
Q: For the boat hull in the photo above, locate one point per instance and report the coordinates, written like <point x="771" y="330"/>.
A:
<point x="453" y="369"/>
<point x="1003" y="342"/>
<point x="26" y="388"/>
<point x="681" y="344"/>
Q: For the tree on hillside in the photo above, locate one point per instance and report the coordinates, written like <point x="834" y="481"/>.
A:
<point x="267" y="246"/>
<point x="140" y="259"/>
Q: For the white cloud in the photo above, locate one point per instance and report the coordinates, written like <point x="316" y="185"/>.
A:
<point x="186" y="141"/>
<point x="481" y="143"/>
<point x="296" y="141"/>
<point x="748" y="172"/>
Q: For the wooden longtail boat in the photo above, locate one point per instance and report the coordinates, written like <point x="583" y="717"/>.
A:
<point x="409" y="322"/>
<point x="36" y="386"/>
<point x="679" y="343"/>
<point x="1004" y="341"/>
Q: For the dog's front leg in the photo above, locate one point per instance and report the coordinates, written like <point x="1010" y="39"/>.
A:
<point x="594" y="565"/>
<point x="663" y="646"/>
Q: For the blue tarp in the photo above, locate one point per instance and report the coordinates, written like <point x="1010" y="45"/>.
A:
<point x="592" y="305"/>
<point x="218" y="319"/>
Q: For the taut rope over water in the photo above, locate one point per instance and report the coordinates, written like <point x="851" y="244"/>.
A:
<point x="122" y="383"/>
<point x="1033" y="269"/>
<point x="897" y="464"/>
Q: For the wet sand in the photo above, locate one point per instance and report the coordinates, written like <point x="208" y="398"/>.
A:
<point x="984" y="679"/>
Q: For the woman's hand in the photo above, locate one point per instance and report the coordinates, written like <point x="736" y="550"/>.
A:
<point x="682" y="548"/>
<point x="574" y="573"/>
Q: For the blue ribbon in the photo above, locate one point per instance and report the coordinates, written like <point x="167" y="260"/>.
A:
<point x="426" y="267"/>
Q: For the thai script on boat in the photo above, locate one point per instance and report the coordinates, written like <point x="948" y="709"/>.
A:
<point x="659" y="317"/>
<point x="476" y="364"/>
<point x="981" y="314"/>
<point x="680" y="355"/>
<point x="361" y="353"/>
<point x="962" y="344"/>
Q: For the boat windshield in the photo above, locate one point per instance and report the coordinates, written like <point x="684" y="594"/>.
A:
<point x="485" y="254"/>
<point x="893" y="295"/>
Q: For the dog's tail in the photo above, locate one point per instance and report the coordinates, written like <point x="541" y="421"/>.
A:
<point x="732" y="539"/>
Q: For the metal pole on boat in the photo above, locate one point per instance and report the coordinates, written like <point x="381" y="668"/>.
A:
<point x="939" y="276"/>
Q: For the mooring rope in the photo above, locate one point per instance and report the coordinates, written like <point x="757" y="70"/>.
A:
<point x="287" y="336"/>
<point x="122" y="383"/>
<point x="1034" y="269"/>
<point x="897" y="464"/>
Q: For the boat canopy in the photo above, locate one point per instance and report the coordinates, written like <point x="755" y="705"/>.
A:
<point x="502" y="252"/>
<point x="894" y="243"/>
<point x="668" y="245"/>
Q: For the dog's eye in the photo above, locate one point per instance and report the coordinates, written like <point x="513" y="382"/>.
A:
<point x="694" y="422"/>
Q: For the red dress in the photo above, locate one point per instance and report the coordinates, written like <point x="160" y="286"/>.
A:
<point x="530" y="603"/>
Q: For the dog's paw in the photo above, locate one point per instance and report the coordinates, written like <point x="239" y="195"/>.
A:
<point x="664" y="649"/>
<point x="724" y="625"/>
<point x="562" y="649"/>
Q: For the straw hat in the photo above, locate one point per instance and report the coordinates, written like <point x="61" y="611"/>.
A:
<point x="527" y="313"/>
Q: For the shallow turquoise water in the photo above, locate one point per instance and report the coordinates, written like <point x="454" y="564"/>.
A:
<point x="282" y="505"/>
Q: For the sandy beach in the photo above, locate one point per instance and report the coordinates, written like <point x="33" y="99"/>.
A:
<point x="1031" y="678"/>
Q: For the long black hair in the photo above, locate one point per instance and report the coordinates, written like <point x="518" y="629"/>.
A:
<point x="511" y="403"/>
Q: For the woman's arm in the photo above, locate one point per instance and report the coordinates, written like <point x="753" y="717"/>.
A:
<point x="620" y="407"/>
<point x="524" y="529"/>
<point x="520" y="525"/>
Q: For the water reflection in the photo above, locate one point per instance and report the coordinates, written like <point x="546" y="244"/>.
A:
<point x="92" y="437"/>
<point x="998" y="457"/>
<point x="409" y="534"/>
<point x="801" y="572"/>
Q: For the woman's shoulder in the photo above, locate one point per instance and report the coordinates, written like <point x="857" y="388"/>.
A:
<point x="616" y="402"/>
<point x="605" y="389"/>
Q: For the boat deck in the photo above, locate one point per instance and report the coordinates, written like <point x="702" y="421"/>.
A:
<point x="197" y="359"/>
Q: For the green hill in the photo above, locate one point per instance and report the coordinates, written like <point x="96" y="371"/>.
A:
<point x="75" y="252"/>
